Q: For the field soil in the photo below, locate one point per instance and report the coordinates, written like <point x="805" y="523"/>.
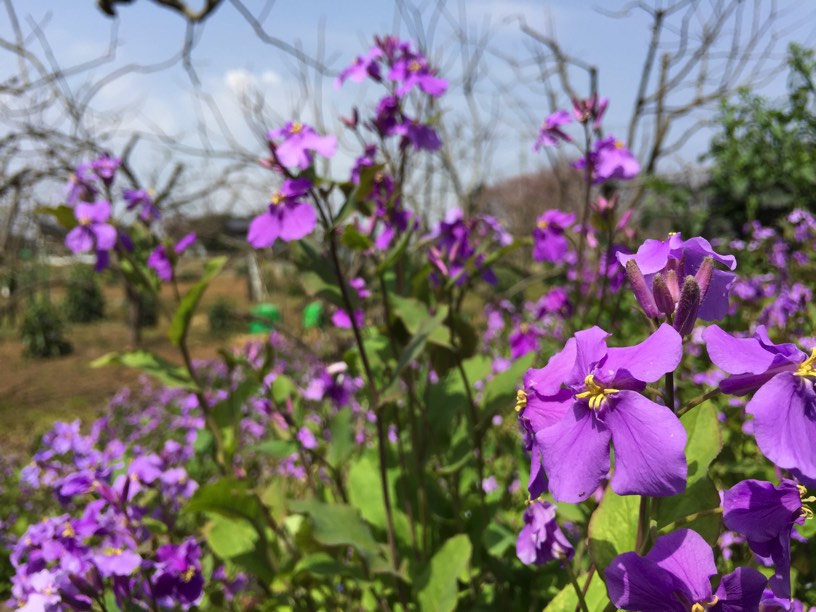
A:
<point x="36" y="392"/>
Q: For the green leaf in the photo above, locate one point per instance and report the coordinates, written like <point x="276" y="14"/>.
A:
<point x="418" y="342"/>
<point x="498" y="539"/>
<point x="567" y="600"/>
<point x="228" y="497"/>
<point x="704" y="443"/>
<point x="338" y="525"/>
<point x="613" y="527"/>
<point x="184" y="313"/>
<point x="395" y="253"/>
<point x="355" y="240"/>
<point x="161" y="369"/>
<point x="439" y="590"/>
<point x="322" y="565"/>
<point x="282" y="389"/>
<point x="62" y="213"/>
<point x="275" y="449"/>
<point x="500" y="393"/>
<point x="230" y="537"/>
<point x="365" y="494"/>
<point x="342" y="442"/>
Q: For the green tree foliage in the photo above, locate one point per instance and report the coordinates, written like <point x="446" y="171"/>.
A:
<point x="764" y="158"/>
<point x="41" y="331"/>
<point x="84" y="302"/>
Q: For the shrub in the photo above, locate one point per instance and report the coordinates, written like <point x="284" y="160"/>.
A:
<point x="221" y="316"/>
<point x="41" y="331"/>
<point x="84" y="301"/>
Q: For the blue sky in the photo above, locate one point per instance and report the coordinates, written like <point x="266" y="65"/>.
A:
<point x="229" y="58"/>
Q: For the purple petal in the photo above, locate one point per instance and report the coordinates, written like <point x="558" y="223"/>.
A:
<point x="741" y="590"/>
<point x="635" y="583"/>
<point x="687" y="556"/>
<point x="649" y="443"/>
<point x="736" y="355"/>
<point x="715" y="302"/>
<point x="575" y="454"/>
<point x="759" y="510"/>
<point x="298" y="220"/>
<point x="651" y="257"/>
<point x="79" y="239"/>
<point x="105" y="236"/>
<point x="545" y="411"/>
<point x="185" y="242"/>
<point x="697" y="248"/>
<point x="784" y="425"/>
<point x="651" y="359"/>
<point x="547" y="381"/>
<point x="591" y="348"/>
<point x="264" y="230"/>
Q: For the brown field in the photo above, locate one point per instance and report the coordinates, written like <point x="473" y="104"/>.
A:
<point x="36" y="392"/>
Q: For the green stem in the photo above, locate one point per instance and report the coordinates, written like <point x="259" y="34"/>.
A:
<point x="690" y="518"/>
<point x="700" y="399"/>
<point x="670" y="390"/>
<point x="644" y="517"/>
<point x="579" y="592"/>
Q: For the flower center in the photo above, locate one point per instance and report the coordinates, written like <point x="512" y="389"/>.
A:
<point x="521" y="400"/>
<point x="618" y="144"/>
<point x="113" y="552"/>
<point x="68" y="532"/>
<point x="595" y="392"/>
<point x="84" y="221"/>
<point x="542" y="224"/>
<point x="414" y="66"/>
<point x="702" y="606"/>
<point x="296" y="127"/>
<point x="277" y="198"/>
<point x="188" y="574"/>
<point x="808" y="367"/>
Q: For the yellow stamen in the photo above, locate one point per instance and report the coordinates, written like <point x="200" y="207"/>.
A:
<point x="414" y="66"/>
<point x="114" y="552"/>
<point x="68" y="532"/>
<point x="806" y="510"/>
<point x="542" y="224"/>
<point x="277" y="198"/>
<point x="85" y="220"/>
<point x="188" y="574"/>
<point x="705" y="605"/>
<point x="618" y="144"/>
<point x="521" y="400"/>
<point x="296" y="127"/>
<point x="595" y="392"/>
<point x="808" y="367"/>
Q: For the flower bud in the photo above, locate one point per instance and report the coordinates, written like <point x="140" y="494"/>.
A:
<point x="703" y="276"/>
<point x="673" y="285"/>
<point x="687" y="307"/>
<point x="662" y="296"/>
<point x="642" y="293"/>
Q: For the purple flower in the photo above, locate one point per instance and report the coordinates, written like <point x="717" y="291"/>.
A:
<point x="675" y="576"/>
<point x="105" y="168"/>
<point x="143" y="200"/>
<point x="541" y="539"/>
<point x="784" y="405"/>
<point x="413" y="69"/>
<point x="82" y="185"/>
<point x="549" y="241"/>
<point x="178" y="579"/>
<point x="588" y="396"/>
<point x="364" y="66"/>
<point x="162" y="262"/>
<point x="422" y="137"/>
<point x="662" y="269"/>
<point x="307" y="438"/>
<point x="765" y="515"/>
<point x="299" y="142"/>
<point x="524" y="340"/>
<point x="93" y="231"/>
<point x="609" y="160"/>
<point x="288" y="218"/>
<point x="116" y="560"/>
<point x="551" y="134"/>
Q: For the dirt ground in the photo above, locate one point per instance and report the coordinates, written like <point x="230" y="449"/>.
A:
<point x="36" y="392"/>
